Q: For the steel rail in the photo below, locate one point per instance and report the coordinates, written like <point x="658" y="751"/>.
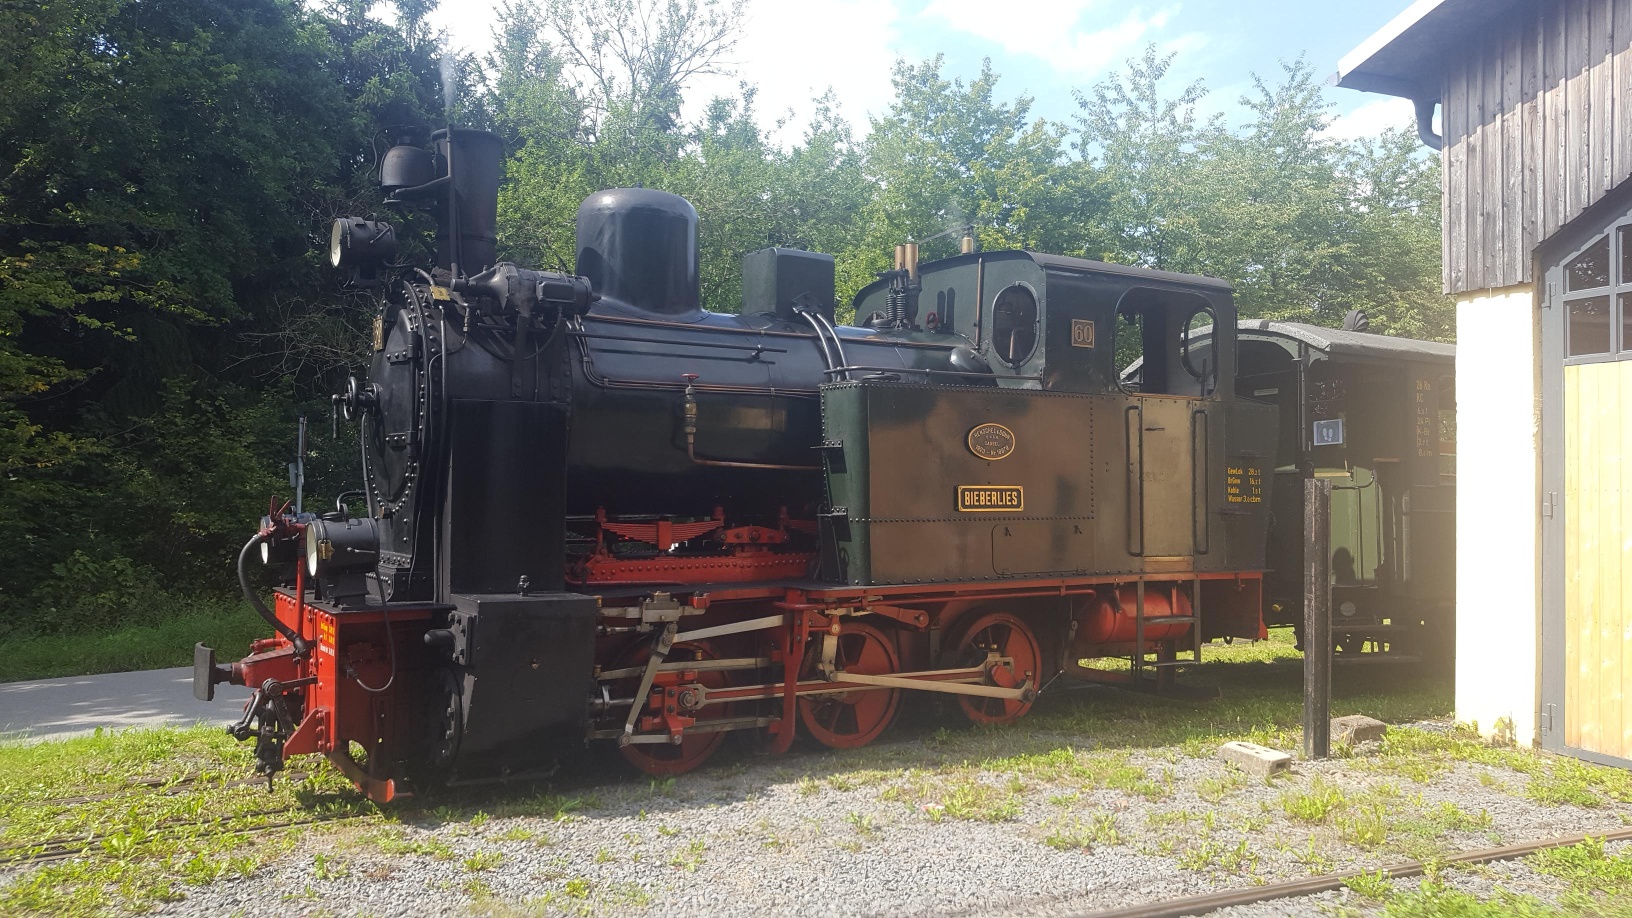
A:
<point x="148" y="787"/>
<point x="88" y="846"/>
<point x="1211" y="902"/>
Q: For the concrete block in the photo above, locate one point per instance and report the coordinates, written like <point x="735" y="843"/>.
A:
<point x="1256" y="760"/>
<point x="1356" y="729"/>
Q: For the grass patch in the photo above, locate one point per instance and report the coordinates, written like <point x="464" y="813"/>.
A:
<point x="690" y="857"/>
<point x="1315" y="804"/>
<point x="1421" y="756"/>
<point x="1214" y="790"/>
<point x="1077" y="835"/>
<point x="395" y="842"/>
<point x="143" y="811"/>
<point x="863" y="823"/>
<point x="226" y="626"/>
<point x="482" y="860"/>
<point x="1366" y="827"/>
<point x="574" y="896"/>
<point x="1210" y="855"/>
<point x="1433" y="899"/>
<point x="1599" y="883"/>
<point x="976" y="801"/>
<point x="1375" y="885"/>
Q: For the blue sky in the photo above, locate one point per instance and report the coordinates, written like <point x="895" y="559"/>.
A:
<point x="1043" y="48"/>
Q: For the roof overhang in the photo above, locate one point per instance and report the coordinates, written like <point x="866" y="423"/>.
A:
<point x="1405" y="57"/>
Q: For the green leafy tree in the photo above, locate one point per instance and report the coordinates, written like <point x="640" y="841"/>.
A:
<point x="165" y="174"/>
<point x="1304" y="226"/>
<point x="946" y="154"/>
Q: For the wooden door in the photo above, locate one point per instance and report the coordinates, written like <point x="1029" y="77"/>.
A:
<point x="1597" y="501"/>
<point x="1587" y="501"/>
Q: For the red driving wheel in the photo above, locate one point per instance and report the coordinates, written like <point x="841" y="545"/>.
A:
<point x="1006" y="636"/>
<point x="694" y="748"/>
<point x="851" y="719"/>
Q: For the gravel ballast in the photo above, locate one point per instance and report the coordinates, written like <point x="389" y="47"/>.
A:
<point x="901" y="831"/>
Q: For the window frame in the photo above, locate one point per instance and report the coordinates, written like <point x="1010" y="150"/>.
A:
<point x="1619" y="287"/>
<point x="1036" y="325"/>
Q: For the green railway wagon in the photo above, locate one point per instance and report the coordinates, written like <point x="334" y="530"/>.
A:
<point x="1376" y="415"/>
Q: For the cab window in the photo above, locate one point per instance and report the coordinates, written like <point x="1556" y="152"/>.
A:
<point x="1014" y="324"/>
<point x="1164" y="343"/>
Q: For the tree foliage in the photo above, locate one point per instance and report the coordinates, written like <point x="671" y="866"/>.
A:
<point x="168" y="169"/>
<point x="1305" y="226"/>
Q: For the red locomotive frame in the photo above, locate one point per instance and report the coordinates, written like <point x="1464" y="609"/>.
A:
<point x="791" y="633"/>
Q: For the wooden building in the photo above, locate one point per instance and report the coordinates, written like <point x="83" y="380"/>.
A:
<point x="1534" y="106"/>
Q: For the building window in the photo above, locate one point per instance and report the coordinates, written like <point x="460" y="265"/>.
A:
<point x="1598" y="298"/>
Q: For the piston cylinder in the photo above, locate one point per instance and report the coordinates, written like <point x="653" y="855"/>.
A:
<point x="1111" y="617"/>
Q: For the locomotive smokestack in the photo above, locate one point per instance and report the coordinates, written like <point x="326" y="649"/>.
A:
<point x="458" y="180"/>
<point x="638" y="247"/>
<point x="475" y="160"/>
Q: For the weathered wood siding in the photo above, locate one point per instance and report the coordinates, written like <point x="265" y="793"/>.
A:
<point x="1537" y="120"/>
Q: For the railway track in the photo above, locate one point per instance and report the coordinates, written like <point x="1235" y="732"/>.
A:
<point x="1211" y="902"/>
<point x="67" y="848"/>
<point x="97" y="844"/>
<point x="146" y="787"/>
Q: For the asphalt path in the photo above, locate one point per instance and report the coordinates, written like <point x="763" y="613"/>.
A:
<point x="60" y="708"/>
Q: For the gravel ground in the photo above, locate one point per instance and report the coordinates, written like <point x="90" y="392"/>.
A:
<point x="897" y="831"/>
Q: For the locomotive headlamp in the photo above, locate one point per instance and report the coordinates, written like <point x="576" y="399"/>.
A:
<point x="333" y="546"/>
<point x="279" y="551"/>
<point x="356" y="242"/>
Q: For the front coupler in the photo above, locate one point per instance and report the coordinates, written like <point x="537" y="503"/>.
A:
<point x="349" y="697"/>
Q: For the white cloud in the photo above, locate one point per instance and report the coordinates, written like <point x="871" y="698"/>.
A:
<point x="1071" y="36"/>
<point x="1371" y="118"/>
<point x="794" y="52"/>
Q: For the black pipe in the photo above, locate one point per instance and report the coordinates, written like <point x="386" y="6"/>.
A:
<point x="255" y="599"/>
<point x="821" y="341"/>
<point x="834" y="333"/>
<point x="340" y="501"/>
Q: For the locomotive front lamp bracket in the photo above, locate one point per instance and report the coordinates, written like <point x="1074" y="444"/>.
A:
<point x="361" y="246"/>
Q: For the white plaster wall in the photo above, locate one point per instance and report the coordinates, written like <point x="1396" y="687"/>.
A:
<point x="1498" y="556"/>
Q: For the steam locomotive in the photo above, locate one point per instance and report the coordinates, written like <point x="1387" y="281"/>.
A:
<point x="598" y="512"/>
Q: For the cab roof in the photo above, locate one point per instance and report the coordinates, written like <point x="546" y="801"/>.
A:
<point x="1348" y="343"/>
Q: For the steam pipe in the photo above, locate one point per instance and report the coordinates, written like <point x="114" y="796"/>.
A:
<point x="255" y="599"/>
<point x="827" y="355"/>
<point x="821" y="320"/>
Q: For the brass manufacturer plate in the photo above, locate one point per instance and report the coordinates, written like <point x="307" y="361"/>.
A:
<point x="991" y="441"/>
<point x="991" y="498"/>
